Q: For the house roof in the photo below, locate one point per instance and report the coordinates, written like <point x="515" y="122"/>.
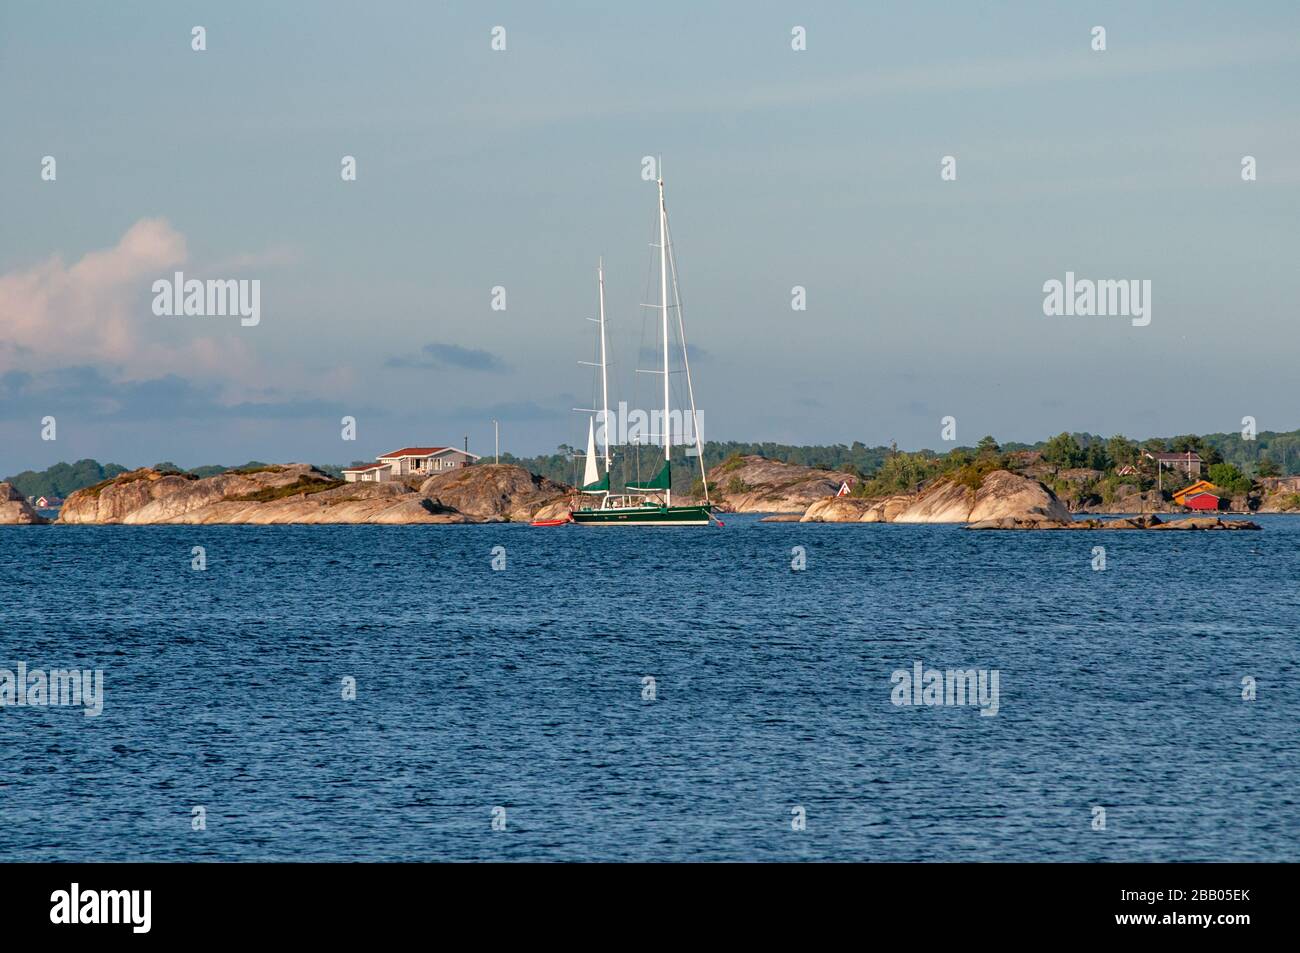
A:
<point x="1200" y="486"/>
<point x="413" y="452"/>
<point x="364" y="466"/>
<point x="422" y="452"/>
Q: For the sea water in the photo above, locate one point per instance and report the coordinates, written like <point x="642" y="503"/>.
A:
<point x="385" y="693"/>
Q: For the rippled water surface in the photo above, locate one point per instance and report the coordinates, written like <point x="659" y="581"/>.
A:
<point x="522" y="688"/>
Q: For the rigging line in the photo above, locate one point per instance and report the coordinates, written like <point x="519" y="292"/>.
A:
<point x="649" y="282"/>
<point x="686" y="359"/>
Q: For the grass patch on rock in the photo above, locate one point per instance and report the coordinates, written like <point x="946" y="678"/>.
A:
<point x="133" y="476"/>
<point x="300" y="487"/>
<point x="262" y="468"/>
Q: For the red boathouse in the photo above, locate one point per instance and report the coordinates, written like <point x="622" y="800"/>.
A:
<point x="1202" y="501"/>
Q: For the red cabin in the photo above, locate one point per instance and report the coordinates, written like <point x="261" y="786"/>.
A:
<point x="1202" y="501"/>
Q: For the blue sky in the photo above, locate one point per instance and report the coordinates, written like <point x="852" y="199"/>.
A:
<point x="479" y="168"/>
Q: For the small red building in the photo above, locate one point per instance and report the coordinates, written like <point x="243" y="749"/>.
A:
<point x="1202" y="501"/>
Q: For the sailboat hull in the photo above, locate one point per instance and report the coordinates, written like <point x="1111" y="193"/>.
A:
<point x="644" y="516"/>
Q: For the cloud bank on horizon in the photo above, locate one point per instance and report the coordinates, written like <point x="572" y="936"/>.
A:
<point x="76" y="340"/>
<point x="821" y="169"/>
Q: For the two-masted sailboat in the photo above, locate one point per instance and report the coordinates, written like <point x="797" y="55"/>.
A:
<point x="645" y="502"/>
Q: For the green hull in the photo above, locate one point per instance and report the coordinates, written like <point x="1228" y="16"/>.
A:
<point x="644" y="516"/>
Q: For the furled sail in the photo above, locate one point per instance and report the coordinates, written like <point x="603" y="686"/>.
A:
<point x="591" y="478"/>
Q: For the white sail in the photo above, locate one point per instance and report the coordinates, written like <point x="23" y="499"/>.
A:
<point x="592" y="472"/>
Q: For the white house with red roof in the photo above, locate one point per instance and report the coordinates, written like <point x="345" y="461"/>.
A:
<point x="409" y="461"/>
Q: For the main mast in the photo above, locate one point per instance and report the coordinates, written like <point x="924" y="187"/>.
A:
<point x="663" y="302"/>
<point x="604" y="377"/>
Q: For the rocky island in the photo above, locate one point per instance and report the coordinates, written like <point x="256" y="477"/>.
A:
<point x="14" y="508"/>
<point x="1132" y="522"/>
<point x="300" y="493"/>
<point x="999" y="500"/>
<point x="984" y="489"/>
<point x="754" y="484"/>
<point x="997" y="495"/>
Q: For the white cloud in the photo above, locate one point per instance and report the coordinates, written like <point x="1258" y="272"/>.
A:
<point x="96" y="312"/>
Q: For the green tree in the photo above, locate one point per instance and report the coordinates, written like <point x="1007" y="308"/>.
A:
<point x="1268" y="468"/>
<point x="1097" y="457"/>
<point x="1229" y="479"/>
<point x="63" y="478"/>
<point x="1123" y="451"/>
<point x="1063" y="452"/>
<point x="899" y="473"/>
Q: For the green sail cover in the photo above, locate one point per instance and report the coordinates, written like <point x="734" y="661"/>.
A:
<point x="661" y="482"/>
<point x="601" y="485"/>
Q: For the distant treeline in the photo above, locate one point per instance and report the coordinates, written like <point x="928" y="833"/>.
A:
<point x="1270" y="453"/>
<point x="64" y="478"/>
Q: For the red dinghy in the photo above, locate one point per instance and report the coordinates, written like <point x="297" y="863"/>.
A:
<point x="555" y="522"/>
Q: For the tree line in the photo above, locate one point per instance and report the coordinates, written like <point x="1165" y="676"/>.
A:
<point x="1239" y="460"/>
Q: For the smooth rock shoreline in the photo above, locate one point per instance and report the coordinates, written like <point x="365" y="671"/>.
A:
<point x="299" y="493"/>
<point x="754" y="484"/>
<point x="1001" y="495"/>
